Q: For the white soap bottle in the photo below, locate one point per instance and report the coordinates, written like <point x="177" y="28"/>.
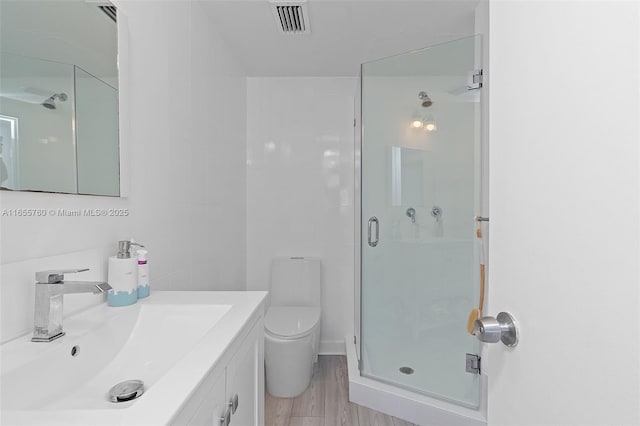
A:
<point x="123" y="277"/>
<point x="143" y="274"/>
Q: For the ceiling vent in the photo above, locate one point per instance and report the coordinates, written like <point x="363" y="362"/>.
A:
<point x="107" y="7"/>
<point x="292" y="17"/>
<point x="110" y="11"/>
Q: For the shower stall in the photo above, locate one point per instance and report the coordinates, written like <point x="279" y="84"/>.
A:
<point x="419" y="179"/>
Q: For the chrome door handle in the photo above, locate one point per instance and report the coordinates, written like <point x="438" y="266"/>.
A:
<point x="500" y="329"/>
<point x="373" y="220"/>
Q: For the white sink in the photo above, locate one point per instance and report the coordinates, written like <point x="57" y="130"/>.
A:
<point x="168" y="340"/>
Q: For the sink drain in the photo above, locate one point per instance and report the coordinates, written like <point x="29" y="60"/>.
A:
<point x="126" y="391"/>
<point x="406" y="370"/>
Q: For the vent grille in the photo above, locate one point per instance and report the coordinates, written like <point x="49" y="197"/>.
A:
<point x="291" y="17"/>
<point x="106" y="6"/>
<point x="110" y="11"/>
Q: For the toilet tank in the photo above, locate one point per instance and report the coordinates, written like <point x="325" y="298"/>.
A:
<point x="295" y="281"/>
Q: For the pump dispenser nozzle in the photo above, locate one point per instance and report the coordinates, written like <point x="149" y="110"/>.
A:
<point x="124" y="248"/>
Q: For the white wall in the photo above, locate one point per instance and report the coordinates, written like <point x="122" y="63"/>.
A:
<point x="565" y="193"/>
<point x="189" y="151"/>
<point x="300" y="187"/>
<point x="182" y="106"/>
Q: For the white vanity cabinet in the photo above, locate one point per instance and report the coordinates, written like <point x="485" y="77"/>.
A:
<point x="245" y="380"/>
<point x="240" y="377"/>
<point x="213" y="404"/>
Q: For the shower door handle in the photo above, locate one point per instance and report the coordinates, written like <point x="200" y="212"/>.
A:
<point x="373" y="220"/>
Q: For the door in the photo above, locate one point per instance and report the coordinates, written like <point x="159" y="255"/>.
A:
<point x="212" y="408"/>
<point x="420" y="194"/>
<point x="565" y="232"/>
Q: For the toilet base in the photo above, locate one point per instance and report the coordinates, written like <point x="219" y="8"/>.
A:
<point x="288" y="365"/>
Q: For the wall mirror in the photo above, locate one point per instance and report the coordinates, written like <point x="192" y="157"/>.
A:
<point x="410" y="176"/>
<point x="59" y="97"/>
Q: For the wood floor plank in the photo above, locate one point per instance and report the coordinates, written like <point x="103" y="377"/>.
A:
<point x="327" y="399"/>
<point x="277" y="411"/>
<point x="341" y="375"/>
<point x="338" y="411"/>
<point x="306" y="421"/>
<point x="311" y="402"/>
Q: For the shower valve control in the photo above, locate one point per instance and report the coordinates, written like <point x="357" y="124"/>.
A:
<point x="500" y="329"/>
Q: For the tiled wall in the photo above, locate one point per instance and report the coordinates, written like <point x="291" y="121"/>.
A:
<point x="182" y="107"/>
<point x="300" y="187"/>
<point x="189" y="149"/>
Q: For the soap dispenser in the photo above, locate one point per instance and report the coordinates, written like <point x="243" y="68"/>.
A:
<point x="143" y="274"/>
<point x="123" y="276"/>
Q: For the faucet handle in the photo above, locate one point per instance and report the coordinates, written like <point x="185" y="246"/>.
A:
<point x="55" y="275"/>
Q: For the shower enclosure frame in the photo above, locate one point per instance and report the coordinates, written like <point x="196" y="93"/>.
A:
<point x="376" y="393"/>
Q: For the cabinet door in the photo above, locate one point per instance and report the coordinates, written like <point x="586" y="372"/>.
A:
<point x="245" y="378"/>
<point x="214" y="404"/>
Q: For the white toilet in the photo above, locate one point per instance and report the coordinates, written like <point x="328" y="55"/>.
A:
<point x="292" y="325"/>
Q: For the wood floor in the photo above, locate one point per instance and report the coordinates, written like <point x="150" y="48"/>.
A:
<point x="325" y="402"/>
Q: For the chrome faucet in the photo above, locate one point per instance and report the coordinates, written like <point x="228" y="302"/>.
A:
<point x="411" y="213"/>
<point x="50" y="289"/>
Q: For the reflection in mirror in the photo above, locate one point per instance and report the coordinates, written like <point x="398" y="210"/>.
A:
<point x="8" y="147"/>
<point x="42" y="147"/>
<point x="409" y="178"/>
<point x="58" y="97"/>
<point x="96" y="129"/>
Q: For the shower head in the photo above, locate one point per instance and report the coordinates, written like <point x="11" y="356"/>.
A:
<point x="426" y="100"/>
<point x="50" y="103"/>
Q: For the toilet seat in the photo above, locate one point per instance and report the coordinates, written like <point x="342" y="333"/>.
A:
<point x="291" y="322"/>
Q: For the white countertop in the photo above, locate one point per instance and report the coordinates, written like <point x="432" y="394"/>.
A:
<point x="167" y="395"/>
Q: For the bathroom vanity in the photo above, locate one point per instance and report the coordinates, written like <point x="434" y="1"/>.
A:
<point x="199" y="354"/>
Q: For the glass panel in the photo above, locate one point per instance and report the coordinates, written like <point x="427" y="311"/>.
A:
<point x="97" y="135"/>
<point x="420" y="168"/>
<point x="357" y="138"/>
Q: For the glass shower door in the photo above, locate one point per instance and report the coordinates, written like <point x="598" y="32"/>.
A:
<point x="420" y="193"/>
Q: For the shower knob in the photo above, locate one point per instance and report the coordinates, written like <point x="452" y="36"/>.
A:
<point x="493" y="330"/>
<point x="411" y="213"/>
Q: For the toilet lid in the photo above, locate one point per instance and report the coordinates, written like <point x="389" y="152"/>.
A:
<point x="290" y="322"/>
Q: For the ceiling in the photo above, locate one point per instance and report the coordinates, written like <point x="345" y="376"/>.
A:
<point x="344" y="33"/>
